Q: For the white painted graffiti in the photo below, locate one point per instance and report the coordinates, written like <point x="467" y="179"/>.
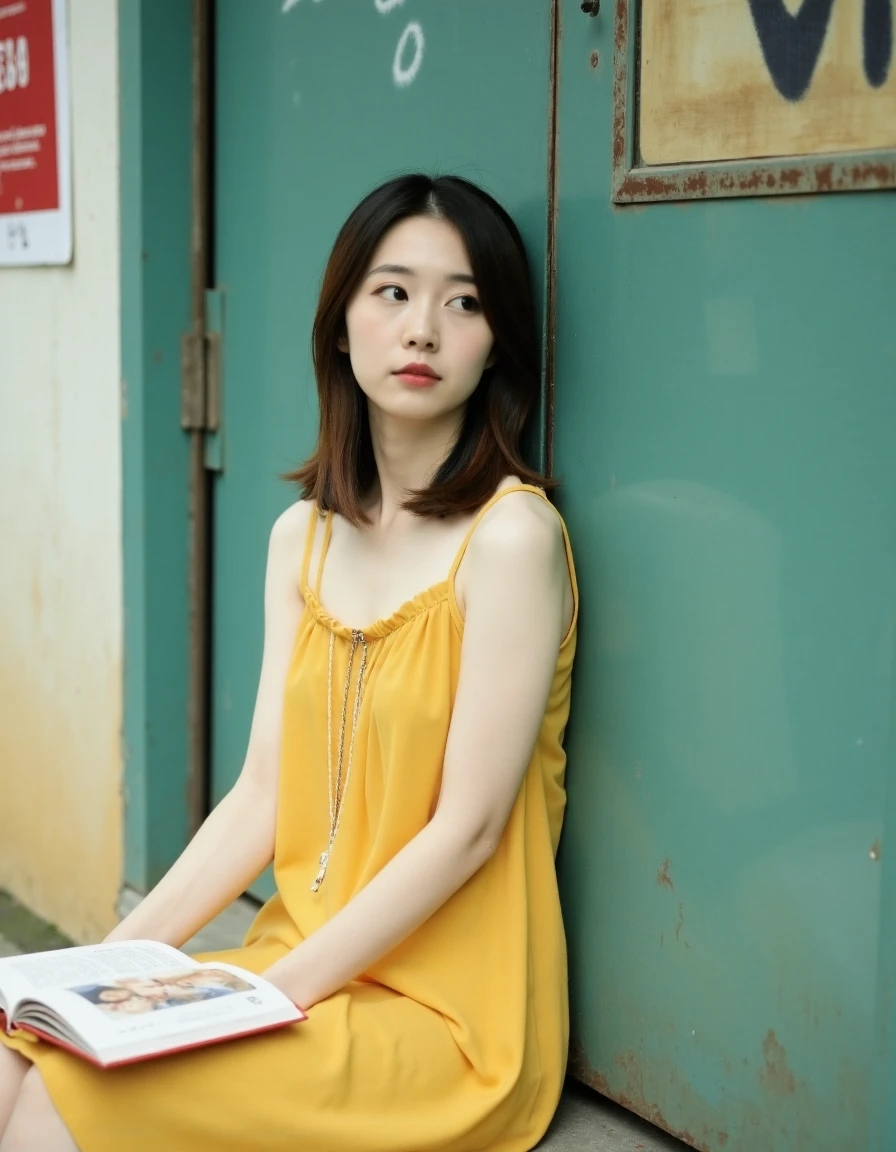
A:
<point x="408" y="57"/>
<point x="404" y="74"/>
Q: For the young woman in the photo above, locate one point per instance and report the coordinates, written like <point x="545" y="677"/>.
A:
<point x="405" y="766"/>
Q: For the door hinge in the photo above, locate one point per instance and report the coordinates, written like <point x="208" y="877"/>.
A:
<point x="192" y="375"/>
<point x="202" y="371"/>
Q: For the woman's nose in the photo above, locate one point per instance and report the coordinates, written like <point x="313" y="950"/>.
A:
<point x="422" y="331"/>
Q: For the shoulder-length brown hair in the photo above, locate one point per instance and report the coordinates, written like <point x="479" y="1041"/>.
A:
<point x="342" y="469"/>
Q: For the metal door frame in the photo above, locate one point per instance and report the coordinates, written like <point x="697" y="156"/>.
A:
<point x="156" y="64"/>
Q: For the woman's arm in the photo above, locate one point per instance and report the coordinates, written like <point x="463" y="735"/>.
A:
<point x="236" y="842"/>
<point x="516" y="584"/>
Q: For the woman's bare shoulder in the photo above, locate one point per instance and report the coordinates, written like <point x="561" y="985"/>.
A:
<point x="292" y="523"/>
<point x="288" y="533"/>
<point x="520" y="548"/>
<point x="521" y="521"/>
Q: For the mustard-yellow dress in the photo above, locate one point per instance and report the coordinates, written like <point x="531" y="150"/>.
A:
<point x="455" y="1041"/>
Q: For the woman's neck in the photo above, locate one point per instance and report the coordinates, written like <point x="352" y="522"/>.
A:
<point x="408" y="454"/>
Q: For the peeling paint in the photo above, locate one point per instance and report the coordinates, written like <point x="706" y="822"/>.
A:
<point x="717" y="181"/>
<point x="775" y="1074"/>
<point x="633" y="1097"/>
<point x="663" y="878"/>
<point x="783" y="1116"/>
<point x="620" y="85"/>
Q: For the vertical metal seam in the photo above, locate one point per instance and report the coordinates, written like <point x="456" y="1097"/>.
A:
<point x="199" y="501"/>
<point x="551" y="245"/>
<point x="882" y="1107"/>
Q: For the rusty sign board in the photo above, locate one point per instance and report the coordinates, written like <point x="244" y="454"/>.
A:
<point x="753" y="98"/>
<point x="737" y="79"/>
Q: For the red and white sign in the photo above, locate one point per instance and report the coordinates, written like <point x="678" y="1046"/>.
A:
<point x="35" y="139"/>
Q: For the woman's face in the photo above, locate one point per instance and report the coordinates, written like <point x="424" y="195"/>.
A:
<point x="180" y="992"/>
<point x="418" y="305"/>
<point x="151" y="988"/>
<point x="133" y="1006"/>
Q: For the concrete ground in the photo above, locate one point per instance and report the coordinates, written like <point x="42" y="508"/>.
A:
<point x="585" y="1121"/>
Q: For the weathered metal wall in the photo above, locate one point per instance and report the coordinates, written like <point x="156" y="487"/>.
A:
<point x="724" y="424"/>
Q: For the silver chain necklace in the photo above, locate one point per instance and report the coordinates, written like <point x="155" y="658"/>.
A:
<point x="336" y="793"/>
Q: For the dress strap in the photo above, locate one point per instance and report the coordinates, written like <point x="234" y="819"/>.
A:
<point x="313" y="517"/>
<point x="325" y="544"/>
<point x="309" y="548"/>
<point x="452" y="598"/>
<point x="482" y="511"/>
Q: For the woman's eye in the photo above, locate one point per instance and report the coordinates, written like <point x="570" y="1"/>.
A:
<point x="466" y="303"/>
<point x="392" y="292"/>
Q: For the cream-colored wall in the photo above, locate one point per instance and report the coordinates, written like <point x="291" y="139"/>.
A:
<point x="60" y="532"/>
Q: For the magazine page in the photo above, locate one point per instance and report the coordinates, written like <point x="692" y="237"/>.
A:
<point x="119" y="1017"/>
<point x="31" y="974"/>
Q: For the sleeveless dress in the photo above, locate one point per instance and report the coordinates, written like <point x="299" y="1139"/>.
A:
<point x="456" y="1040"/>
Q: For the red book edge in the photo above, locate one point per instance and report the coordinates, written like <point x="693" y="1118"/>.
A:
<point x="149" y="1055"/>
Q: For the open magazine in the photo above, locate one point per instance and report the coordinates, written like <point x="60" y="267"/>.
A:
<point x="121" y="1002"/>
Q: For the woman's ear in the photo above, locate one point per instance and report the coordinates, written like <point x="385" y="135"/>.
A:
<point x="342" y="342"/>
<point x="492" y="358"/>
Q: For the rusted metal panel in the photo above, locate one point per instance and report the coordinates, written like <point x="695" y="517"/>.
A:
<point x="724" y="434"/>
<point x="631" y="1084"/>
<point x="635" y="182"/>
<point x="633" y="1098"/>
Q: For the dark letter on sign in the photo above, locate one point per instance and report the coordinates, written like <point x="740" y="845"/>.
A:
<point x="877" y="38"/>
<point x="791" y="45"/>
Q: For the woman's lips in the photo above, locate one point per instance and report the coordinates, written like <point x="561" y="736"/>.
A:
<point x="417" y="380"/>
<point x="418" y="375"/>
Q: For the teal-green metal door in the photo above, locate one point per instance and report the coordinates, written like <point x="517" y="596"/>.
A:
<point x="316" y="103"/>
<point x="723" y="424"/>
<point x="725" y="427"/>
